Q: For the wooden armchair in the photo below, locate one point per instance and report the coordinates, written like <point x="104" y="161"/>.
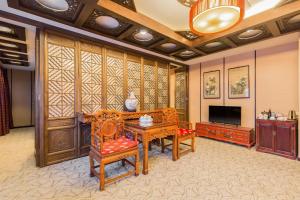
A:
<point x="185" y="131"/>
<point x="109" y="144"/>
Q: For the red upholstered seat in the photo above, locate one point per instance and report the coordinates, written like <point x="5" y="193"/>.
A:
<point x="119" y="145"/>
<point x="183" y="131"/>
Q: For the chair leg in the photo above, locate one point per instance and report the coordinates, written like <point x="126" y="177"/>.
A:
<point x="102" y="176"/>
<point x="178" y="149"/>
<point x="123" y="162"/>
<point x="150" y="146"/>
<point x="193" y="143"/>
<point x="162" y="141"/>
<point x="137" y="167"/>
<point x="92" y="166"/>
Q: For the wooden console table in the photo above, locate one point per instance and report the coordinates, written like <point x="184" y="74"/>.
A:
<point x="157" y="130"/>
<point x="227" y="133"/>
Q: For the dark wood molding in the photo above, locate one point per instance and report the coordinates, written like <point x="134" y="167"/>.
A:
<point x="274" y="29"/>
<point x="89" y="6"/>
<point x="229" y="42"/>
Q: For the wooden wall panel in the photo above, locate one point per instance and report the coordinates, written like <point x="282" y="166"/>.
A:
<point x="149" y="86"/>
<point x="115" y="83"/>
<point x="162" y="86"/>
<point x="91" y="83"/>
<point x="134" y="79"/>
<point x="85" y="77"/>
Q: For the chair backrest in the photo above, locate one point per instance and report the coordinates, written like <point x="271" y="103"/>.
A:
<point x="106" y="125"/>
<point x="170" y="115"/>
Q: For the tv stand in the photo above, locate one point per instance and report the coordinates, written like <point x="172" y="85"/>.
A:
<point x="227" y="133"/>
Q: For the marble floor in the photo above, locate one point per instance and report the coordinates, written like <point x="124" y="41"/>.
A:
<point x="216" y="171"/>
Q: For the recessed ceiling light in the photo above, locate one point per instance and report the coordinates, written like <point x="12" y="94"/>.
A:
<point x="249" y="34"/>
<point x="12" y="55"/>
<point x="5" y="29"/>
<point x="143" y="36"/>
<point x="54" y="5"/>
<point x="295" y="19"/>
<point x="107" y="22"/>
<point x="187" y="53"/>
<point x="213" y="44"/>
<point x="8" y="45"/>
<point x="15" y="62"/>
<point x="168" y="45"/>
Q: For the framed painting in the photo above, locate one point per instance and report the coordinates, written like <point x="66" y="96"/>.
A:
<point x="238" y="82"/>
<point x="211" y="85"/>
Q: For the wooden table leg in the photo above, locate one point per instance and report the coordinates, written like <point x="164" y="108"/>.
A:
<point x="174" y="150"/>
<point x="145" y="160"/>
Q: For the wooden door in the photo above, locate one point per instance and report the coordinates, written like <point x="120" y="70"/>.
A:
<point x="265" y="135"/>
<point x="181" y="93"/>
<point x="284" y="138"/>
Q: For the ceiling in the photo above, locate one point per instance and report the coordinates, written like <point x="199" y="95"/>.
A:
<point x="161" y="26"/>
<point x="17" y="45"/>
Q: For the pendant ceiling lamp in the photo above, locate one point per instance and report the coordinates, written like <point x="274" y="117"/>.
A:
<point x="213" y="16"/>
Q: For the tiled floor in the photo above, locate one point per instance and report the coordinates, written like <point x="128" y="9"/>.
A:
<point x="215" y="171"/>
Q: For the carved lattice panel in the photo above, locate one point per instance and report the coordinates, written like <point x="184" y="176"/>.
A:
<point x="163" y="87"/>
<point x="180" y="90"/>
<point x="115" y="76"/>
<point x="134" y="79"/>
<point x="61" y="84"/>
<point x="91" y="73"/>
<point x="149" y="87"/>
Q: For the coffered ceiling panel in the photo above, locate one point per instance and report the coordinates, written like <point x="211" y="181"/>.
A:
<point x="289" y="23"/>
<point x="12" y="31"/>
<point x="13" y="46"/>
<point x="162" y="26"/>
<point x="213" y="46"/>
<point x="126" y="3"/>
<point x="168" y="47"/>
<point x="106" y="22"/>
<point x="11" y="55"/>
<point x="186" y="54"/>
<point x="14" y="62"/>
<point x="66" y="10"/>
<point x="250" y="35"/>
<point x="144" y="37"/>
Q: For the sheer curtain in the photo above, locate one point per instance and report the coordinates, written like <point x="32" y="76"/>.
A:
<point x="5" y="108"/>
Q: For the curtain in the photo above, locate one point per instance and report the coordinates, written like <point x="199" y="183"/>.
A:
<point x="5" y="108"/>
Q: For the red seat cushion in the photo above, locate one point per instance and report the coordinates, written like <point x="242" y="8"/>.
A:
<point x="183" y="131"/>
<point x="119" y="145"/>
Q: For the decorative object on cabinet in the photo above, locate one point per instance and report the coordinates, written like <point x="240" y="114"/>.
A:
<point x="109" y="144"/>
<point x="211" y="85"/>
<point x="292" y="115"/>
<point x="185" y="131"/>
<point x="277" y="137"/>
<point x="131" y="102"/>
<point x="238" y="82"/>
<point x="226" y="133"/>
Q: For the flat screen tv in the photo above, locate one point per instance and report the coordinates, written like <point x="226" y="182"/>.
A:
<point x="225" y="114"/>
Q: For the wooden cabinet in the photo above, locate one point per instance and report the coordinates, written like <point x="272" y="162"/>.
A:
<point x="238" y="135"/>
<point x="277" y="137"/>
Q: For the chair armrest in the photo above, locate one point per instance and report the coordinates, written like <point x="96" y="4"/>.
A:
<point x="133" y="133"/>
<point x="186" y="125"/>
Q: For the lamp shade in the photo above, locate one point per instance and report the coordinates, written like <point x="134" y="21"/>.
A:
<point x="213" y="16"/>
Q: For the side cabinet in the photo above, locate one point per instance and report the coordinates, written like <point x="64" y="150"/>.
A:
<point x="277" y="137"/>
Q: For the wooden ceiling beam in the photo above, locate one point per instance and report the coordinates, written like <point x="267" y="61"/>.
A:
<point x="143" y="21"/>
<point x="158" y="43"/>
<point x="264" y="17"/>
